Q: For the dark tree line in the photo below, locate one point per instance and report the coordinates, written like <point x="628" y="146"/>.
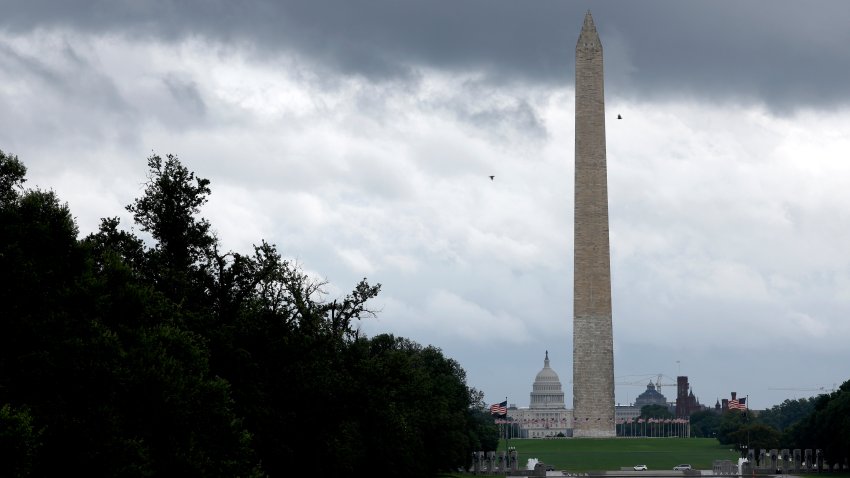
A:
<point x="175" y="358"/>
<point x="828" y="426"/>
<point x="821" y="422"/>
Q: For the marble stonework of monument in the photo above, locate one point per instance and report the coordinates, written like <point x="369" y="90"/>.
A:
<point x="593" y="341"/>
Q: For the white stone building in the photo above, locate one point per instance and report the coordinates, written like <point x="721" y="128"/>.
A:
<point x="546" y="416"/>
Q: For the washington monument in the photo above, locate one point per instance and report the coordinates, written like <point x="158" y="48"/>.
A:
<point x="593" y="338"/>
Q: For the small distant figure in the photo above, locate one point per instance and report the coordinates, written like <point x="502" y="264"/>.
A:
<point x="491" y="177"/>
<point x="619" y="117"/>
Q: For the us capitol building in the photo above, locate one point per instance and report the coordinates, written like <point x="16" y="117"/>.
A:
<point x="547" y="416"/>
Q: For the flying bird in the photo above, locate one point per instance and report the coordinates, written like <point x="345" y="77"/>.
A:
<point x="491" y="177"/>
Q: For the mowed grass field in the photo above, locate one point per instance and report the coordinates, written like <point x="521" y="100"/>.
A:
<point x="600" y="454"/>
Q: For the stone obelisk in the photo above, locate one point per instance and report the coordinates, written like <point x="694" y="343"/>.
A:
<point x="593" y="339"/>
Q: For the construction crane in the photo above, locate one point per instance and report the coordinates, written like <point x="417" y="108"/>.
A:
<point x="819" y="389"/>
<point x="648" y="379"/>
<point x="658" y="383"/>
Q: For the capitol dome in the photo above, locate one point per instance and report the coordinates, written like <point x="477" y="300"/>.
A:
<point x="547" y="374"/>
<point x="546" y="391"/>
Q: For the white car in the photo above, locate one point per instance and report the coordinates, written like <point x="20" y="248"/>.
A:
<point x="682" y="467"/>
<point x="640" y="468"/>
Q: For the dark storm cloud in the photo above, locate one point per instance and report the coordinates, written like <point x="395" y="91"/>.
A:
<point x="517" y="116"/>
<point x="784" y="53"/>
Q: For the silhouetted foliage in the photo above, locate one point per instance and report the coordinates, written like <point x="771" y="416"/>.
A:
<point x="758" y="436"/>
<point x="827" y="427"/>
<point x="731" y="422"/>
<point x="787" y="413"/>
<point x="655" y="411"/>
<point x="821" y="422"/>
<point x="19" y="440"/>
<point x="705" y="424"/>
<point x="119" y="358"/>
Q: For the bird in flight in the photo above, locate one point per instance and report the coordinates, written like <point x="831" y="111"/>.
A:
<point x="491" y="177"/>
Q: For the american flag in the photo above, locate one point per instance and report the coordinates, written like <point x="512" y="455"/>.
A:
<point x="738" y="404"/>
<point x="500" y="409"/>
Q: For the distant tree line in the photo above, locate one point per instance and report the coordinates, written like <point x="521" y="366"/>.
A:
<point x="818" y="423"/>
<point x="168" y="356"/>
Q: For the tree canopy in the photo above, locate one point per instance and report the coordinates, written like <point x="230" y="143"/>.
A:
<point x="120" y="357"/>
<point x="705" y="424"/>
<point x="827" y="427"/>
<point x="655" y="411"/>
<point x="787" y="413"/>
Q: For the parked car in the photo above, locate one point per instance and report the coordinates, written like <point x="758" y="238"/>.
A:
<point x="550" y="467"/>
<point x="682" y="467"/>
<point x="641" y="468"/>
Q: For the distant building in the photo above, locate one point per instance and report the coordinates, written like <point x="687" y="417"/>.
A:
<point x="546" y="416"/>
<point x="650" y="397"/>
<point x="686" y="402"/>
<point x="626" y="413"/>
<point x="736" y="404"/>
<point x="630" y="423"/>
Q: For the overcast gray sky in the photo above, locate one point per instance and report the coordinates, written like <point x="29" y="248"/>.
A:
<point x="359" y="138"/>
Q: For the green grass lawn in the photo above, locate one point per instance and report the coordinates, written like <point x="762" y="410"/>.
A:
<point x="588" y="454"/>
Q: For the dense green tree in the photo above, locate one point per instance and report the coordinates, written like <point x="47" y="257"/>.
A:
<point x="827" y="427"/>
<point x="743" y="431"/>
<point x="705" y="424"/>
<point x="126" y="358"/>
<point x="397" y="403"/>
<point x="786" y="413"/>
<point x="758" y="436"/>
<point x="43" y="338"/>
<point x="169" y="210"/>
<point x="355" y="401"/>
<point x="483" y="434"/>
<point x="448" y="400"/>
<point x="731" y="421"/>
<point x="655" y="411"/>
<point x="112" y="385"/>
<point x="20" y="441"/>
<point x="12" y="177"/>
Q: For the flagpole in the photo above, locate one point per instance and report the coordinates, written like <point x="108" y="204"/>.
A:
<point x="507" y="424"/>
<point x="747" y="419"/>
